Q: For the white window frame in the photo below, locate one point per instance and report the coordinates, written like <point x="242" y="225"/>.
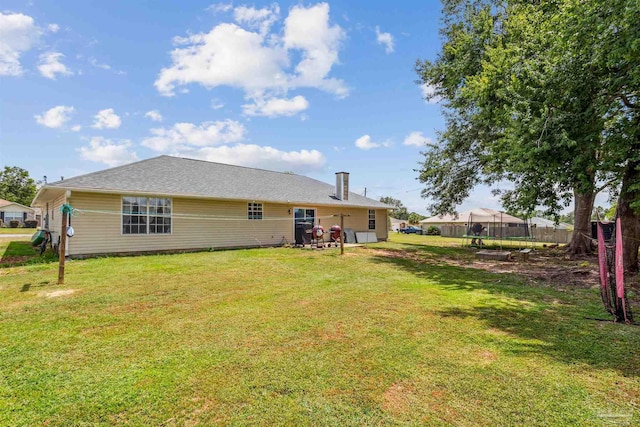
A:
<point x="12" y="217"/>
<point x="147" y="215"/>
<point x="371" y="219"/>
<point x="255" y="211"/>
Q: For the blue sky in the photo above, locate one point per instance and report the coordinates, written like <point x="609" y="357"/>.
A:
<point x="313" y="88"/>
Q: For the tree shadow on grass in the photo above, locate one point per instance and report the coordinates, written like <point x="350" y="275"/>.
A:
<point x="542" y="320"/>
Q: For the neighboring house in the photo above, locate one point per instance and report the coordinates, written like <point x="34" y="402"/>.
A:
<point x="493" y="222"/>
<point x="545" y="223"/>
<point x="397" y="224"/>
<point x="171" y="204"/>
<point x="15" y="211"/>
<point x="480" y="215"/>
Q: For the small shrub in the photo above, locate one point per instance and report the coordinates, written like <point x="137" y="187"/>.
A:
<point x="433" y="231"/>
<point x="14" y="223"/>
<point x="30" y="223"/>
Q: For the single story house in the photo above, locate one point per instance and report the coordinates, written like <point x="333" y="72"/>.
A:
<point x="480" y="215"/>
<point x="10" y="211"/>
<point x="397" y="224"/>
<point x="545" y="223"/>
<point x="493" y="223"/>
<point x="172" y="204"/>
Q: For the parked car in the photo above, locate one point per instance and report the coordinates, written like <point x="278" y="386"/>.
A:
<point x="411" y="229"/>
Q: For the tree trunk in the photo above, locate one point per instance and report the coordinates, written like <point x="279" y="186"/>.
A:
<point x="583" y="205"/>
<point x="629" y="218"/>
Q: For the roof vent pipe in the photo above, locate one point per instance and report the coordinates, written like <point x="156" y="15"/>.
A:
<point x="342" y="185"/>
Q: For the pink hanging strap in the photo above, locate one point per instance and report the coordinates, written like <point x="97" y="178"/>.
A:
<point x="602" y="258"/>
<point x="619" y="263"/>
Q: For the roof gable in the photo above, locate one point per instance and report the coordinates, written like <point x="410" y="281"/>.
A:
<point x="4" y="203"/>
<point x="474" y="215"/>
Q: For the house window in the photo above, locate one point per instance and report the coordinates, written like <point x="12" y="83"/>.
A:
<point x="254" y="210"/>
<point x="13" y="216"/>
<point x="372" y="219"/>
<point x="159" y="216"/>
<point x="146" y="215"/>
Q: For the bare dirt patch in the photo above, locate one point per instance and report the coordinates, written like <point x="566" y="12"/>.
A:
<point x="397" y="398"/>
<point x="14" y="260"/>
<point x="549" y="266"/>
<point x="58" y="293"/>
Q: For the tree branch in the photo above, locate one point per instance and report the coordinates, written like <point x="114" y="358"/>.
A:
<point x="605" y="185"/>
<point x="627" y="103"/>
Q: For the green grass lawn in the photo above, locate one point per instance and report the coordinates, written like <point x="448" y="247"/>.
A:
<point x="18" y="251"/>
<point x="389" y="334"/>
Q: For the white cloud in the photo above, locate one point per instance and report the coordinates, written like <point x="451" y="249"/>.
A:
<point x="216" y="104"/>
<point x="94" y="62"/>
<point x="184" y="136"/>
<point x="428" y="93"/>
<point x="416" y="139"/>
<point x="50" y="65"/>
<point x="259" y="62"/>
<point x="385" y="39"/>
<point x="308" y="29"/>
<point x="275" y="107"/>
<point x="251" y="155"/>
<point x="106" y="119"/>
<point x="76" y="128"/>
<point x="228" y="55"/>
<point x="18" y="34"/>
<point x="365" y="143"/>
<point x="219" y="7"/>
<point x="106" y="151"/>
<point x="257" y="19"/>
<point x="154" y="115"/>
<point x="53" y="28"/>
<point x="55" y="117"/>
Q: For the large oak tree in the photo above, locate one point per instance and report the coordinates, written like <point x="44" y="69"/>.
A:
<point x="542" y="95"/>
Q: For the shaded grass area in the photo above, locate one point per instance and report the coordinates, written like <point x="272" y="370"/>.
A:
<point x="18" y="251"/>
<point x="298" y="337"/>
<point x="439" y="241"/>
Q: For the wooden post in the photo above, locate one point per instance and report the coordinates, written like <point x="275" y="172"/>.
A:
<point x="62" y="250"/>
<point x="341" y="234"/>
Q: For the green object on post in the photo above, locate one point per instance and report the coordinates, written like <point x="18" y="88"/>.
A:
<point x="66" y="208"/>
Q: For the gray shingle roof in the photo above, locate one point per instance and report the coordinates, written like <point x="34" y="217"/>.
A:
<point x="167" y="175"/>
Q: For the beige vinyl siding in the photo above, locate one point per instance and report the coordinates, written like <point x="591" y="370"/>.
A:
<point x="382" y="224"/>
<point x="55" y="217"/>
<point x="101" y="232"/>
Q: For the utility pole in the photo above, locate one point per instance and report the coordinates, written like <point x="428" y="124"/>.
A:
<point x="62" y="250"/>
<point x="67" y="210"/>
<point x="341" y="234"/>
<point x="341" y="215"/>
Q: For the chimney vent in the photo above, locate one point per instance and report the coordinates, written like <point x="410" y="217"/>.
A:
<point x="342" y="185"/>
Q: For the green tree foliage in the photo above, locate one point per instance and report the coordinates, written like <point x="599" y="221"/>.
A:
<point x="399" y="211"/>
<point x="541" y="94"/>
<point x="17" y="186"/>
<point x="415" y="218"/>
